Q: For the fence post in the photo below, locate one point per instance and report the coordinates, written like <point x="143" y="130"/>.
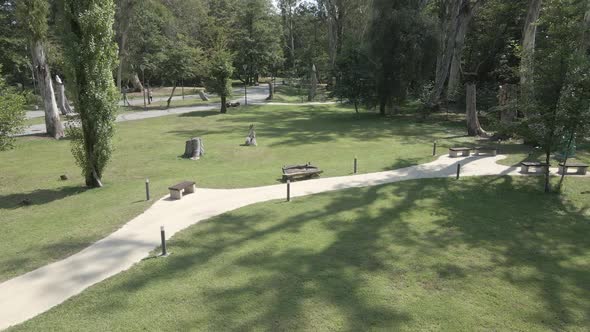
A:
<point x="458" y="171"/>
<point x="355" y="165"/>
<point x="434" y="149"/>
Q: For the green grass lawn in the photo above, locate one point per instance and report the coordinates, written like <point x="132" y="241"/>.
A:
<point x="161" y="105"/>
<point x="64" y="217"/>
<point x="479" y="254"/>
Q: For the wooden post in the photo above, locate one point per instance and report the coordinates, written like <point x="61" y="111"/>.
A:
<point x="163" y="238"/>
<point x="434" y="149"/>
<point x="355" y="165"/>
<point x="458" y="171"/>
<point x="288" y="190"/>
<point x="147" y="189"/>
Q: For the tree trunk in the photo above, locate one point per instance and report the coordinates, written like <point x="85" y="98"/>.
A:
<point x="313" y="83"/>
<point x="62" y="100"/>
<point x="507" y="100"/>
<point x="171" y="95"/>
<point x="136" y="82"/>
<point x="52" y="121"/>
<point x="455" y="69"/>
<point x="567" y="154"/>
<point x="547" y="174"/>
<point x="223" y="104"/>
<point x="529" y="35"/>
<point x="271" y="91"/>
<point x="473" y="126"/>
<point x="194" y="148"/>
<point x="202" y="95"/>
<point x="122" y="46"/>
<point x="458" y="13"/>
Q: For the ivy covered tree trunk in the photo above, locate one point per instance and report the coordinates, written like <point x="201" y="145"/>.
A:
<point x="92" y="54"/>
<point x="52" y="121"/>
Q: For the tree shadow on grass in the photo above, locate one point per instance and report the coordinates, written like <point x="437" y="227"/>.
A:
<point x="314" y="267"/>
<point x="38" y="197"/>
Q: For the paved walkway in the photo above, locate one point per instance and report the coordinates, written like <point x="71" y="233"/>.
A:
<point x="256" y="96"/>
<point x="35" y="292"/>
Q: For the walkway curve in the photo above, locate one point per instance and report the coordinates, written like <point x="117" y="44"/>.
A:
<point x="33" y="293"/>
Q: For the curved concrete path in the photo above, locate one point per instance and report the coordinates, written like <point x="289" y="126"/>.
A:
<point x="35" y="292"/>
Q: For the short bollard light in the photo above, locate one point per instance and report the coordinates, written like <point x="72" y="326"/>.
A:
<point x="147" y="189"/>
<point x="163" y="238"/>
<point x="458" y="171"/>
<point x="288" y="190"/>
<point x="355" y="165"/>
<point x="434" y="149"/>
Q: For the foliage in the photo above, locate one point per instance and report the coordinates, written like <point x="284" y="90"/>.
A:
<point x="220" y="73"/>
<point x="558" y="95"/>
<point x="12" y="114"/>
<point x="92" y="57"/>
<point x="402" y="48"/>
<point x="13" y="45"/>
<point x="355" y="82"/>
<point x="257" y="43"/>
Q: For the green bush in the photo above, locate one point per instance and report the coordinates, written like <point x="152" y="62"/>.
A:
<point x="12" y="115"/>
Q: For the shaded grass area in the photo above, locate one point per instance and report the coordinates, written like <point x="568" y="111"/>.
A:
<point x="293" y="94"/>
<point x="63" y="217"/>
<point x="162" y="104"/>
<point x="491" y="253"/>
<point x="519" y="152"/>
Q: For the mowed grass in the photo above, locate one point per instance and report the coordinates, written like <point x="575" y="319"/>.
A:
<point x="491" y="254"/>
<point x="63" y="217"/>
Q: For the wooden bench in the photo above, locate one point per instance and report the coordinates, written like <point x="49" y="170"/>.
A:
<point x="300" y="171"/>
<point x="525" y="167"/>
<point x="581" y="169"/>
<point x="183" y="188"/>
<point x="486" y="150"/>
<point x="455" y="152"/>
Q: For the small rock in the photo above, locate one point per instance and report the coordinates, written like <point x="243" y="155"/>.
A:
<point x="26" y="202"/>
<point x="63" y="177"/>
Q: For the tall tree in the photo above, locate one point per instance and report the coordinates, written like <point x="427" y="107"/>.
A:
<point x="33" y="16"/>
<point x="92" y="55"/>
<point x="402" y="47"/>
<point x="455" y="16"/>
<point x="559" y="88"/>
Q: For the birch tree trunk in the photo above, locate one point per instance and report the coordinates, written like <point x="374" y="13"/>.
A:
<point x="529" y="35"/>
<point x="52" y="121"/>
<point x="473" y="125"/>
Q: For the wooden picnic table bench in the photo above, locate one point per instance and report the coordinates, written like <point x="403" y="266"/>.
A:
<point x="486" y="149"/>
<point x="455" y="152"/>
<point x="581" y="169"/>
<point x="183" y="188"/>
<point x="300" y="171"/>
<point x="537" y="166"/>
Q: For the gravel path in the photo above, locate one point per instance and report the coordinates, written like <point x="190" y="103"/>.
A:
<point x="35" y="292"/>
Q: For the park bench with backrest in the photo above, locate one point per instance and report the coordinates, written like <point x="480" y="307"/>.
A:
<point x="183" y="188"/>
<point x="580" y="168"/>
<point x="486" y="150"/>
<point x="455" y="152"/>
<point x="300" y="171"/>
<point x="538" y="167"/>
